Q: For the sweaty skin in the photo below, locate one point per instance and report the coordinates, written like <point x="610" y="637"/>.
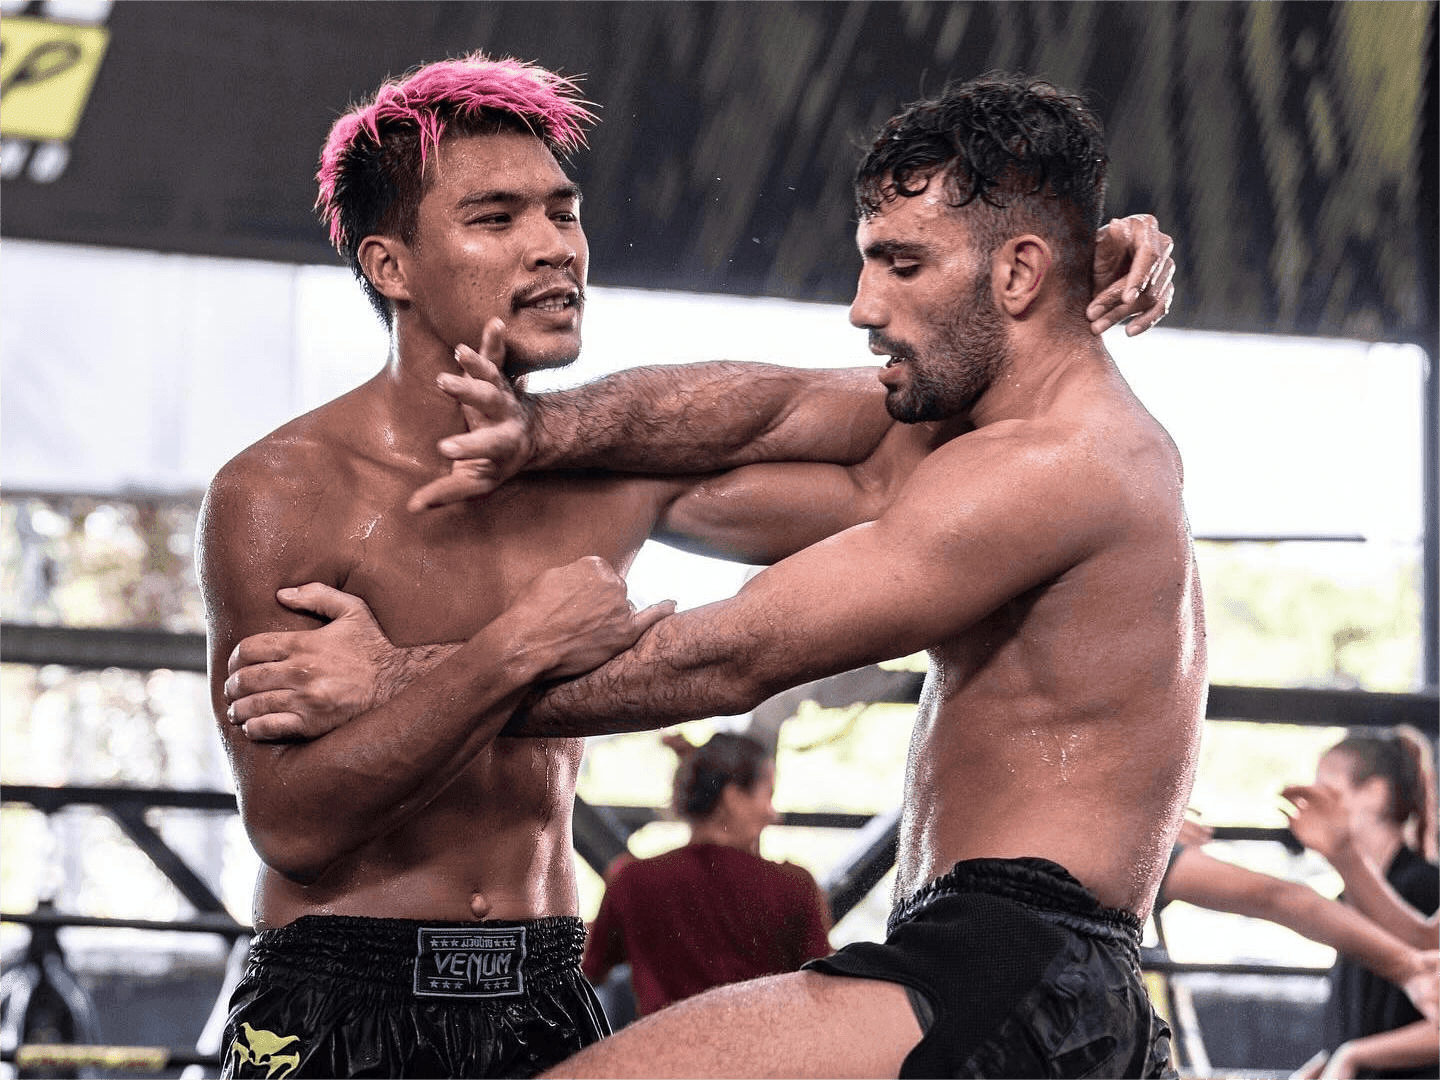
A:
<point x="413" y="809"/>
<point x="1043" y="559"/>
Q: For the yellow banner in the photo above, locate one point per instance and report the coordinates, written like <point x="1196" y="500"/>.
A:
<point x="149" y="1059"/>
<point x="46" y="71"/>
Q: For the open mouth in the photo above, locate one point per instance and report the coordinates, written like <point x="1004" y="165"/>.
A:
<point x="552" y="300"/>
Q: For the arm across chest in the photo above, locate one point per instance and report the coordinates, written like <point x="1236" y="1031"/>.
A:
<point x="440" y="575"/>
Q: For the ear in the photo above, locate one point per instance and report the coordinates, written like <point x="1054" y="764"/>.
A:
<point x="383" y="261"/>
<point x="1019" y="271"/>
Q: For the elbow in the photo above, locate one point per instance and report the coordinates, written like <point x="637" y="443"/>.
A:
<point x="741" y="687"/>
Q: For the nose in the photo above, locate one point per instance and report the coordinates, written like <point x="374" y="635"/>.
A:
<point x="866" y="310"/>
<point x="551" y="247"/>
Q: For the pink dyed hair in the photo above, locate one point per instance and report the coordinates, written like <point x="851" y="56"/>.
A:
<point x="467" y="88"/>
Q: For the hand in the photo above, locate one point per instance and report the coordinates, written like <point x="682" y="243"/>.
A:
<point x="1311" y="1069"/>
<point x="302" y="684"/>
<point x="1135" y="248"/>
<point x="1321" y="820"/>
<point x="1423" y="988"/>
<point x="576" y="617"/>
<point x="498" y="443"/>
<point x="1193" y="834"/>
<point x="1342" y="1064"/>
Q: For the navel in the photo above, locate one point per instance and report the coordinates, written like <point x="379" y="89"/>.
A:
<point x="479" y="906"/>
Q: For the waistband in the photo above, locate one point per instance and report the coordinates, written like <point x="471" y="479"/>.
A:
<point x="1046" y="888"/>
<point x="384" y="951"/>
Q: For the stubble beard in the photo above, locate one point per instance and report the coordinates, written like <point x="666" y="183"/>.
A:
<point x="950" y="372"/>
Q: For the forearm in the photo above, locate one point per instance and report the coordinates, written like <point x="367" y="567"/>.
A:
<point x="1367" y="889"/>
<point x="1350" y="933"/>
<point x="685" y="668"/>
<point x="1407" y="1047"/>
<point x="696" y="418"/>
<point x="309" y="804"/>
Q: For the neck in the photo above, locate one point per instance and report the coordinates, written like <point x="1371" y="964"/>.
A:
<point x="414" y="361"/>
<point x="1044" y="360"/>
<point x="715" y="831"/>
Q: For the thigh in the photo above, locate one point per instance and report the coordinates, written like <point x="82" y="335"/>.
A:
<point x="801" y="1024"/>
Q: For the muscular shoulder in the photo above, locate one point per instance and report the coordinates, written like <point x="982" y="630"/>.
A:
<point x="1112" y="465"/>
<point x="271" y="497"/>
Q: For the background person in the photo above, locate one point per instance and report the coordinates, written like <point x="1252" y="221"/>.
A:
<point x="1320" y="820"/>
<point x="1198" y="878"/>
<point x="1386" y="781"/>
<point x="713" y="911"/>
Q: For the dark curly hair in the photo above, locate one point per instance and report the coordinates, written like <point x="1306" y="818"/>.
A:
<point x="1021" y="154"/>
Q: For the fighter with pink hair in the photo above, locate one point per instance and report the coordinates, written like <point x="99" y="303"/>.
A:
<point x="416" y="908"/>
<point x="373" y="161"/>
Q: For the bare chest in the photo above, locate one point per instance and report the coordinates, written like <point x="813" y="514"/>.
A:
<point x="442" y="574"/>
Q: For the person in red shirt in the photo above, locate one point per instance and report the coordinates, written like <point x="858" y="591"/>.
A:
<point x="714" y="911"/>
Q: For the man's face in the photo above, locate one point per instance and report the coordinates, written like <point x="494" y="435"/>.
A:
<point x="925" y="297"/>
<point x="498" y="234"/>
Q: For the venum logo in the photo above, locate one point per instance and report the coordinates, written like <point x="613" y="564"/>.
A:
<point x="470" y="962"/>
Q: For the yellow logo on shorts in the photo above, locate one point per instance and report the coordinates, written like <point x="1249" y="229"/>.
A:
<point x="257" y="1047"/>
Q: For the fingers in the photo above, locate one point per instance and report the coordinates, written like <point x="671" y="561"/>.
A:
<point x="323" y="600"/>
<point x="1161" y="293"/>
<point x="1145" y="293"/>
<point x="275" y="727"/>
<point x="485" y="393"/>
<point x="644" y="620"/>
<point x="492" y="343"/>
<point x="258" y="649"/>
<point x="466" y="480"/>
<point x="250" y="704"/>
<point x="256" y="679"/>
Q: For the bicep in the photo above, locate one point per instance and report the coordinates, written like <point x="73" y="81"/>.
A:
<point x="760" y="514"/>
<point x="946" y="553"/>
<point x="763" y="513"/>
<point x="250" y="545"/>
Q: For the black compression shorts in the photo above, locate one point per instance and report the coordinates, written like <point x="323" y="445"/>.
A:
<point x="1015" y="969"/>
<point x="337" y="996"/>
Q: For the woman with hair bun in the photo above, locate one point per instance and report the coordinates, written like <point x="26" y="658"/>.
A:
<point x="1373" y="804"/>
<point x="714" y="911"/>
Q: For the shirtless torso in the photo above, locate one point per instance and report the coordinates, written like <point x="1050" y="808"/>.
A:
<point x="494" y="840"/>
<point x="1045" y="564"/>
<point x="1037" y="547"/>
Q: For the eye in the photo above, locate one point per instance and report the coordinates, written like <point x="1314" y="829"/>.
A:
<point x="491" y="219"/>
<point x="904" y="269"/>
<point x="566" y="216"/>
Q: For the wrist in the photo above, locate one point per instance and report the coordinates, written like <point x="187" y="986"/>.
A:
<point x="1342" y="853"/>
<point x="549" y="429"/>
<point x="515" y="646"/>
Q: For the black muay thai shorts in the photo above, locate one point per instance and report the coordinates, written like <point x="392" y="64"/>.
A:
<point x="1015" y="969"/>
<point x="338" y="996"/>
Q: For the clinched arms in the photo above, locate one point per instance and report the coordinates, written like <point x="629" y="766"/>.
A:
<point x="308" y="805"/>
<point x="686" y="420"/>
<point x="699" y="418"/>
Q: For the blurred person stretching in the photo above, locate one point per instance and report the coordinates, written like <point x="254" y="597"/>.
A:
<point x="416" y="908"/>
<point x="1198" y="878"/>
<point x="713" y="911"/>
<point x="1385" y="781"/>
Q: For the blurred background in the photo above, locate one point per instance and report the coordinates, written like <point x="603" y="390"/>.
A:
<point x="169" y="297"/>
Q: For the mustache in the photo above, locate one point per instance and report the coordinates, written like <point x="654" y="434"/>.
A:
<point x="899" y="350"/>
<point x="560" y="279"/>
